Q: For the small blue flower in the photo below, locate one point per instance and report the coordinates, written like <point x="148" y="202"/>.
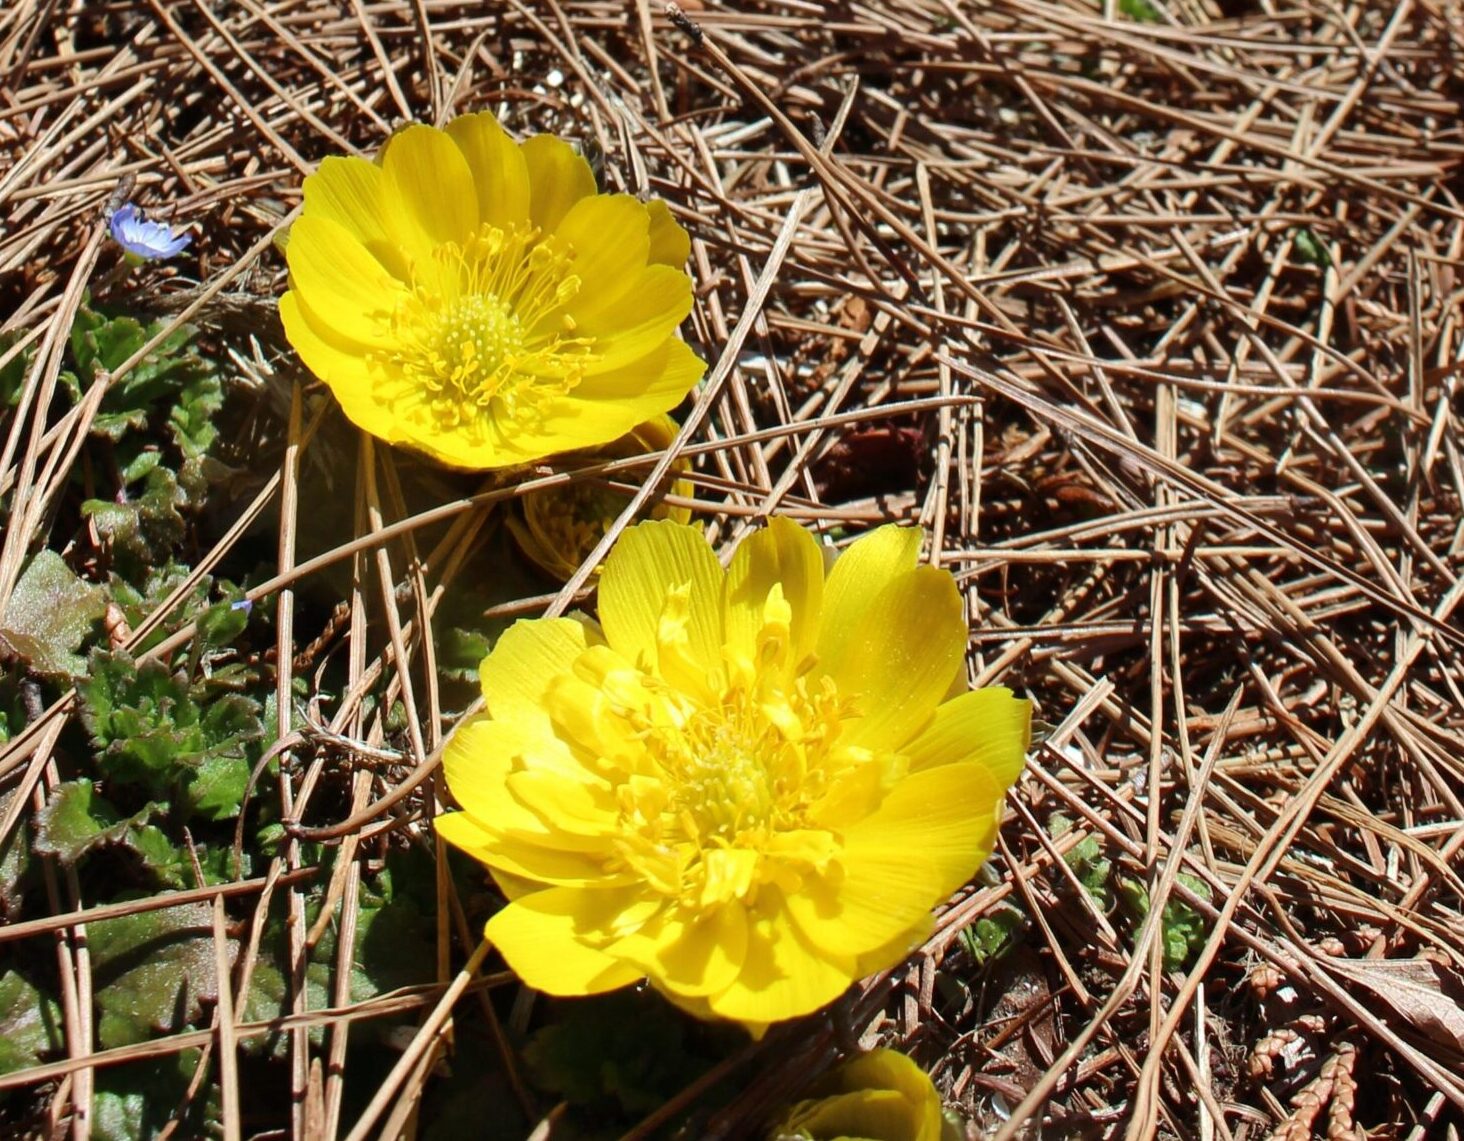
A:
<point x="142" y="239"/>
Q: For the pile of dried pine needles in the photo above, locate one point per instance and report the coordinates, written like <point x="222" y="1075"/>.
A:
<point x="1149" y="312"/>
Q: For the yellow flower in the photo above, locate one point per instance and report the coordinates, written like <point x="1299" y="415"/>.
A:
<point x="476" y="299"/>
<point x="881" y="1096"/>
<point x="558" y="528"/>
<point x="750" y="785"/>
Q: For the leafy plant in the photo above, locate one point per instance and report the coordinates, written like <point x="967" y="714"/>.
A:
<point x="173" y="379"/>
<point x="30" y="1023"/>
<point x="153" y="971"/>
<point x="615" y="1057"/>
<point x="1182" y="928"/>
<point x="156" y="730"/>
<point x="50" y="614"/>
<point x="1093" y="869"/>
<point x="1142" y="11"/>
<point x="991" y="935"/>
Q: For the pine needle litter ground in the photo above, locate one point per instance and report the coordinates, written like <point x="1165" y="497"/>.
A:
<point x="1149" y="311"/>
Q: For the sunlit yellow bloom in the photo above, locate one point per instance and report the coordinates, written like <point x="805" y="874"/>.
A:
<point x="749" y="785"/>
<point x="558" y="527"/>
<point x="476" y="299"/>
<point x="881" y="1096"/>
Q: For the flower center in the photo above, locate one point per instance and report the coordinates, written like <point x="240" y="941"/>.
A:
<point x="468" y="341"/>
<point x="574" y="518"/>
<point x="725" y="766"/>
<point x="736" y="794"/>
<point x="484" y="331"/>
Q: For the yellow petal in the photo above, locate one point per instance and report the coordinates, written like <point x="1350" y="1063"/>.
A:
<point x="584" y="807"/>
<point x="348" y="191"/>
<point x="782" y="976"/>
<point x="344" y="286"/>
<point x="897" y="950"/>
<point x="858" y="575"/>
<point x="340" y="363"/>
<point x="637" y="321"/>
<point x="781" y="553"/>
<point x="537" y="936"/>
<point x="558" y="178"/>
<point x="689" y="954"/>
<point x="663" y="377"/>
<point x="651" y="561"/>
<point x="484" y="444"/>
<point x="861" y="1115"/>
<point x="499" y="170"/>
<point x="899" y="661"/>
<point x="879" y="1095"/>
<point x="987" y="727"/>
<point x="670" y="244"/>
<point x="527" y="657"/>
<point x="478" y="761"/>
<point x="585" y="718"/>
<point x="514" y="863"/>
<point x="604" y="408"/>
<point x="931" y="834"/>
<point x="608" y="238"/>
<point x="428" y="191"/>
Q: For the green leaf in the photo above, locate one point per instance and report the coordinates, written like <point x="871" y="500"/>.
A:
<point x="269" y="992"/>
<point x="460" y="652"/>
<point x="14" y="864"/>
<point x="146" y="527"/>
<point x="1309" y="249"/>
<point x="75" y="820"/>
<point x="992" y="934"/>
<point x="191" y="419"/>
<point x="1088" y="862"/>
<point x="222" y="623"/>
<point x="215" y="789"/>
<point x="50" y="614"/>
<point x="140" y="465"/>
<point x="12" y="373"/>
<point x="139" y="1100"/>
<point x="30" y="1024"/>
<point x="1141" y="10"/>
<point x="394" y="948"/>
<point x="153" y="971"/>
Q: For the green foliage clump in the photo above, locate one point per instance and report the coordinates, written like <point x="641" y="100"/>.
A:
<point x="615" y="1057"/>
<point x="1181" y="928"/>
<point x="1093" y="869"/>
<point x="169" y="736"/>
<point x="173" y="381"/>
<point x="991" y="935"/>
<point x="1141" y="11"/>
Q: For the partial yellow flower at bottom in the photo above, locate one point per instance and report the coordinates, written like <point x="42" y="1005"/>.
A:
<point x="881" y="1096"/>
<point x="750" y="786"/>
<point x="558" y="527"/>
<point x="474" y="298"/>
